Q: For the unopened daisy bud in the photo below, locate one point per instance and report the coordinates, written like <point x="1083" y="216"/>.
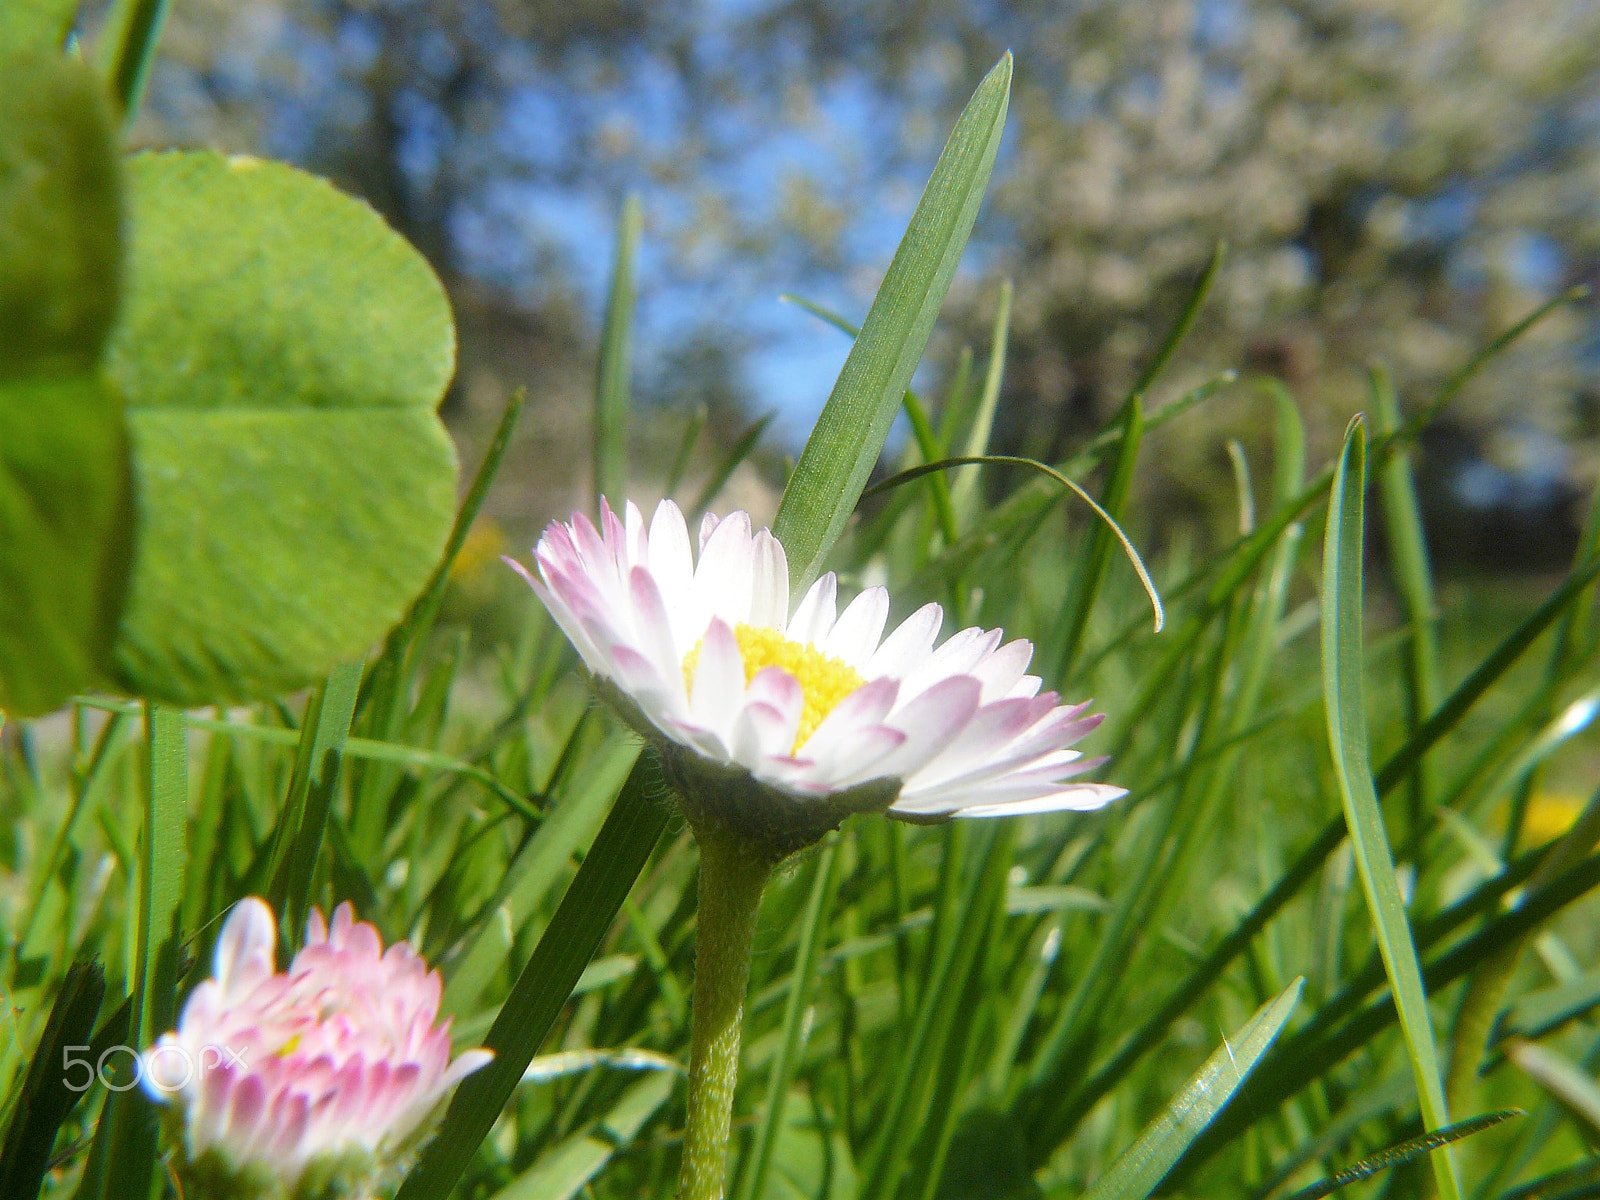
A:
<point x="775" y="723"/>
<point x="311" y="1083"/>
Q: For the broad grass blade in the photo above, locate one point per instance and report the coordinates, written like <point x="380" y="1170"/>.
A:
<point x="1142" y="1167"/>
<point x="850" y="433"/>
<point x="1345" y="702"/>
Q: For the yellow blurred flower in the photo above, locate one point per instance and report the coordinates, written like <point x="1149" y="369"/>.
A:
<point x="484" y="544"/>
<point x="1549" y="815"/>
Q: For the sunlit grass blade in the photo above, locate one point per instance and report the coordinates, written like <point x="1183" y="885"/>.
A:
<point x="1295" y="877"/>
<point x="612" y="383"/>
<point x="1142" y="1167"/>
<point x="609" y="870"/>
<point x="131" y="1148"/>
<point x="1344" y="696"/>
<point x="841" y="451"/>
<point x="1402" y="1153"/>
<point x="1408" y="557"/>
<point x="904" y="477"/>
<point x="1094" y="555"/>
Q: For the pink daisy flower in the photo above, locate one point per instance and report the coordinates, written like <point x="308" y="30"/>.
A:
<point x="305" y="1082"/>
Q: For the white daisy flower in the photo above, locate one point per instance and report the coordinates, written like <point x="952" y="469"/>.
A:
<point x="778" y="724"/>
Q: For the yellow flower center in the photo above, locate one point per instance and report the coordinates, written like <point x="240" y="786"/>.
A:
<point x="824" y="680"/>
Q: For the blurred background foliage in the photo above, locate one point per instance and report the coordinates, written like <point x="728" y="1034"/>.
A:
<point x="1393" y="178"/>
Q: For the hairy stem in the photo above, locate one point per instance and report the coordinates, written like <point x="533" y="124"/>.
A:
<point x="732" y="878"/>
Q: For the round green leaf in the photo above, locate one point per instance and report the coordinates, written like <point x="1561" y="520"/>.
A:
<point x="58" y="218"/>
<point x="282" y="352"/>
<point x="64" y="537"/>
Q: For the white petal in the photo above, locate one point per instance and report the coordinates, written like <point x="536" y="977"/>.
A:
<point x="1080" y="797"/>
<point x="855" y="636"/>
<point x="638" y="542"/>
<point x="867" y="705"/>
<point x="984" y="740"/>
<point x="929" y="722"/>
<point x="673" y="566"/>
<point x="1001" y="671"/>
<point x="718" y="692"/>
<point x="758" y="734"/>
<point x="243" y="955"/>
<point x="708" y="526"/>
<point x="769" y="584"/>
<point x="908" y="645"/>
<point x="861" y="756"/>
<point x="655" y="634"/>
<point x="960" y="653"/>
<point x="814" y="618"/>
<point x="722" y="580"/>
<point x="776" y="689"/>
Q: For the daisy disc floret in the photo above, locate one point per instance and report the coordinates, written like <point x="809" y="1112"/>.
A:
<point x="309" y="1083"/>
<point x="776" y="723"/>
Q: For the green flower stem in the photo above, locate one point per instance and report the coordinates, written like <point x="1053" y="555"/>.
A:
<point x="732" y="877"/>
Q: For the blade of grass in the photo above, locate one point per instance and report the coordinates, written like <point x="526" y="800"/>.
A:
<point x="1034" y="464"/>
<point x="1310" y="860"/>
<point x="691" y="436"/>
<point x="304" y="818"/>
<point x="964" y="490"/>
<point x="928" y="444"/>
<point x="1404" y="1152"/>
<point x="126" y="49"/>
<point x="564" y="1170"/>
<point x="47" y="1096"/>
<point x="1141" y="1168"/>
<point x="1408" y="556"/>
<point x="727" y="465"/>
<point x="752" y="1183"/>
<point x="822" y="313"/>
<point x="608" y="873"/>
<point x="611" y="389"/>
<point x="1345" y="702"/>
<point x="1094" y="556"/>
<point x="849" y="434"/>
<point x="131" y="1150"/>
